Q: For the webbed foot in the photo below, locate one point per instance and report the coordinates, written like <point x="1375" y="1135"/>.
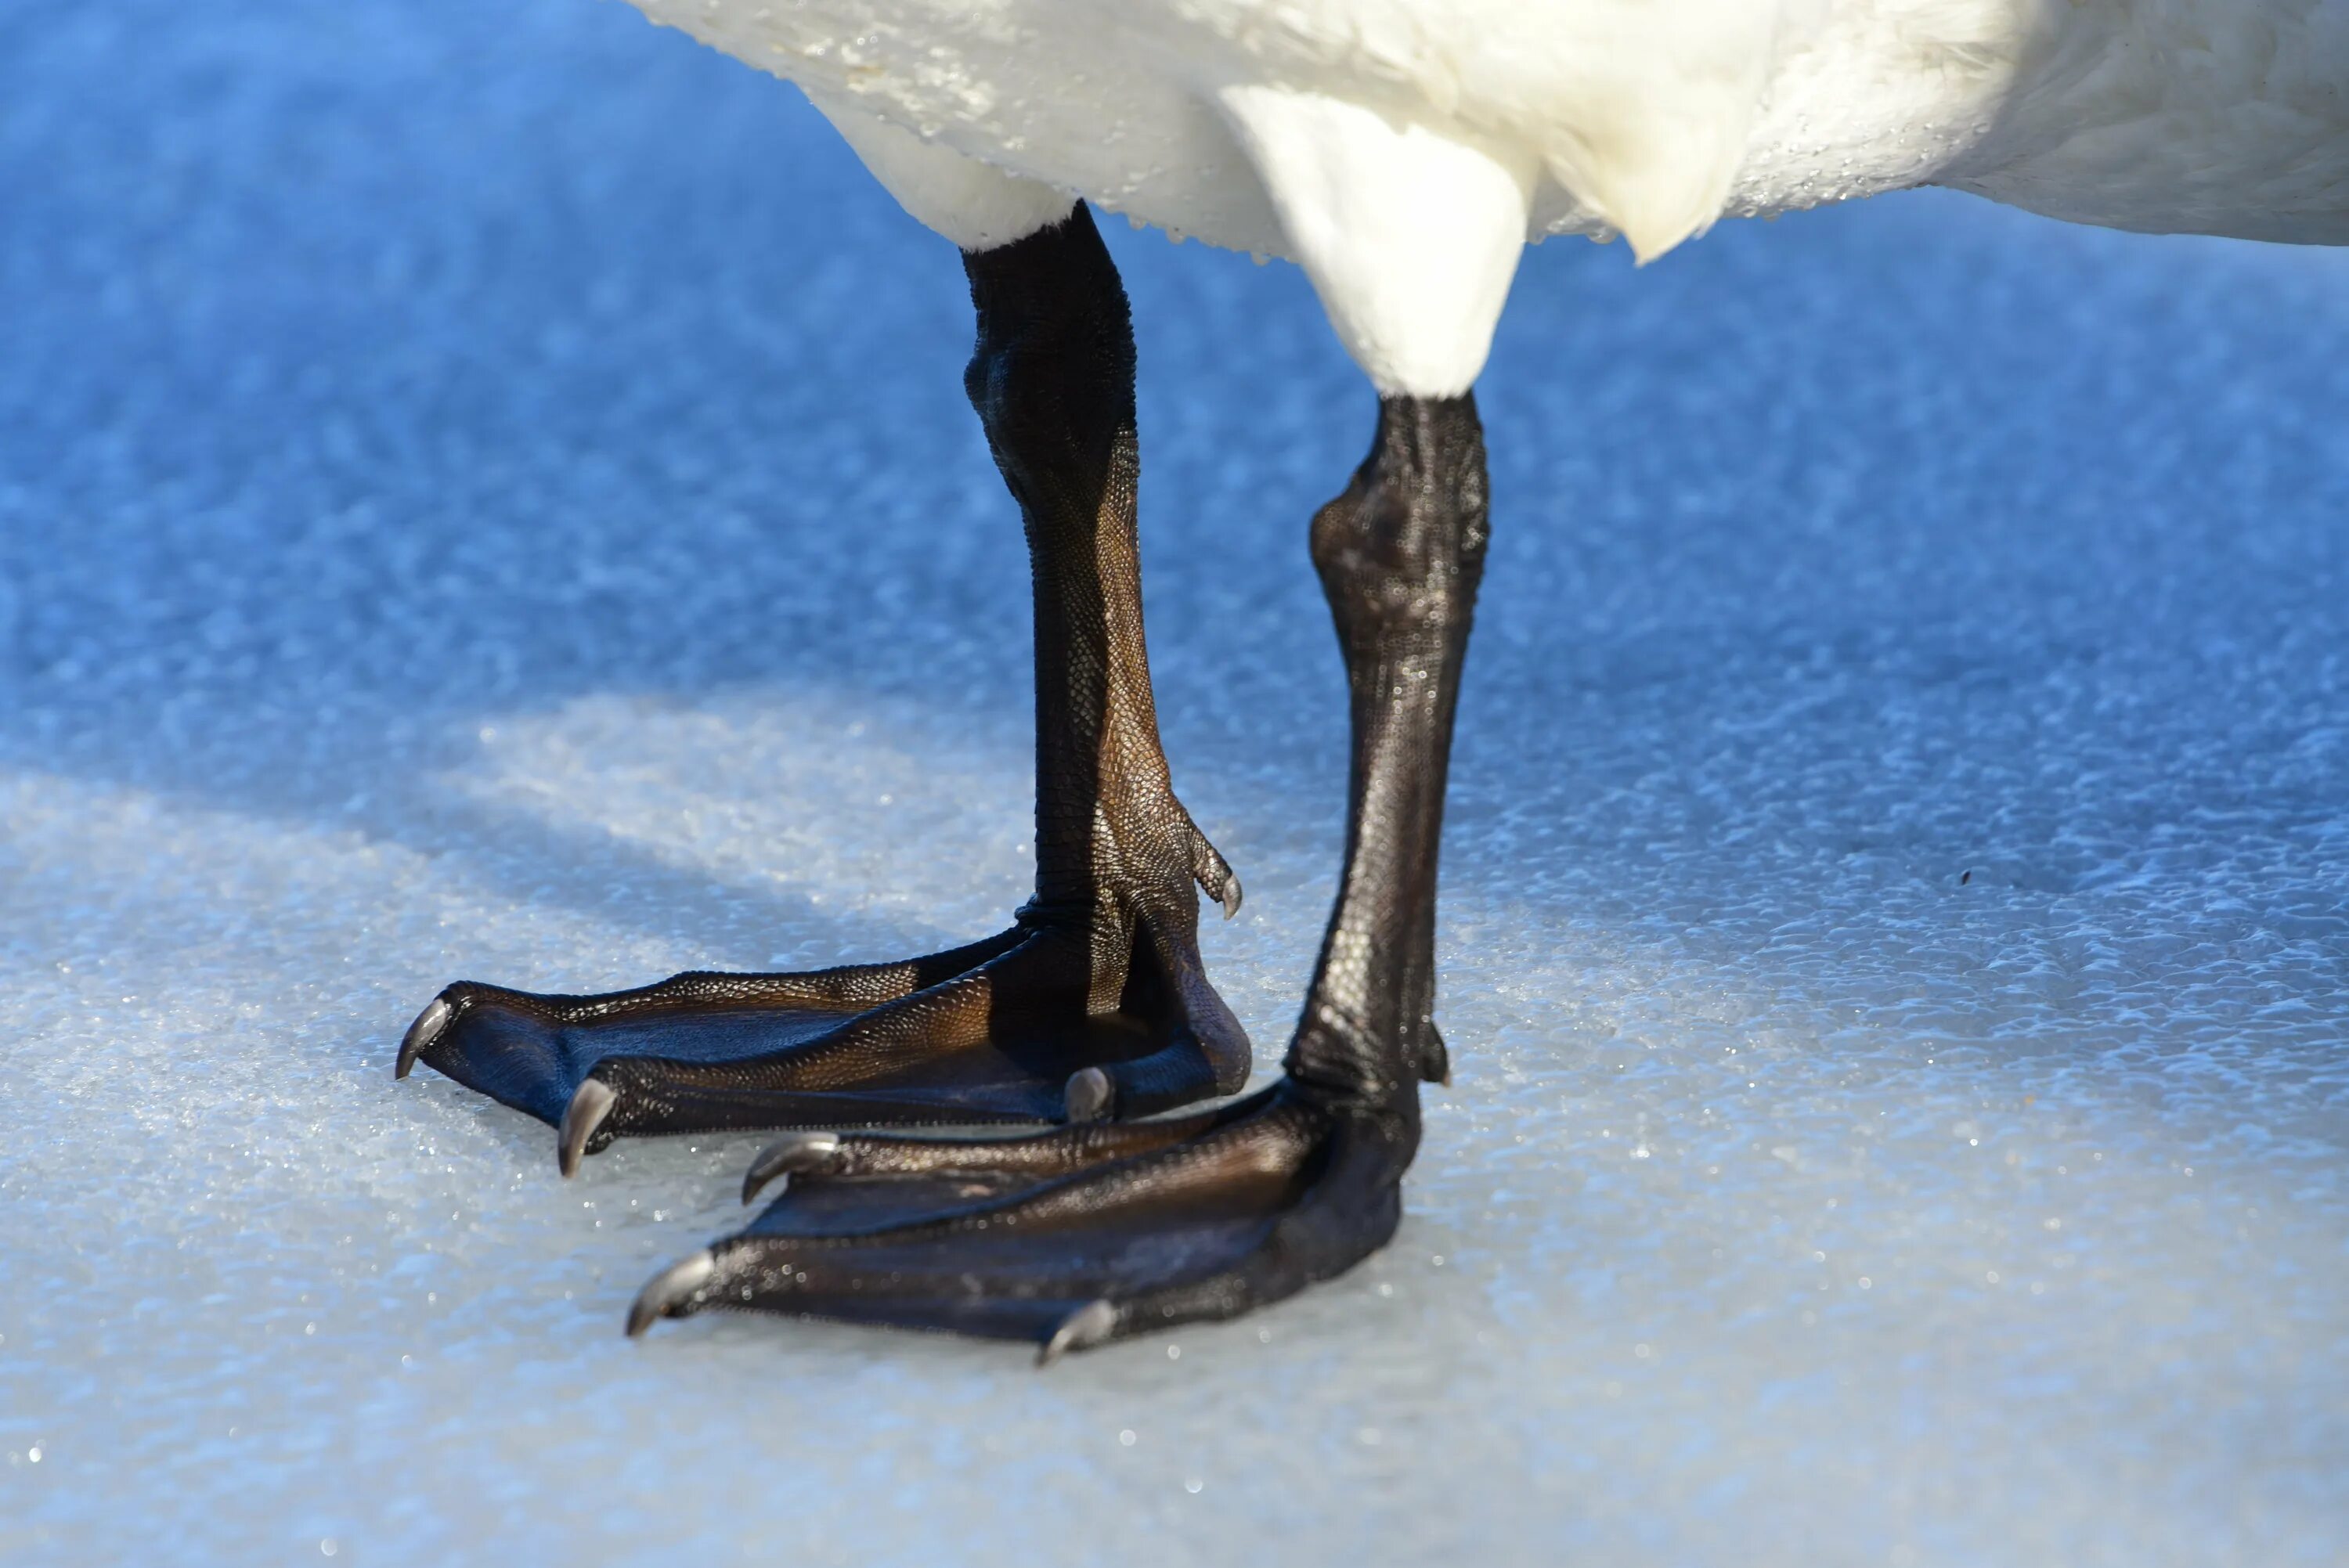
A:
<point x="1006" y="1030"/>
<point x="1068" y="1239"/>
<point x="1095" y="1002"/>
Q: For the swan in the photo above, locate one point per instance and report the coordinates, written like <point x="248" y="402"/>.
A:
<point x="1402" y="153"/>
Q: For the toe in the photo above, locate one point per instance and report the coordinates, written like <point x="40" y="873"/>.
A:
<point x="508" y="1045"/>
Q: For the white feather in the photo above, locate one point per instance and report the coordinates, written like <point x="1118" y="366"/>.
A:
<point x="1650" y="119"/>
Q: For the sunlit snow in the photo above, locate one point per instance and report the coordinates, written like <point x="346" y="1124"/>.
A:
<point x="485" y="492"/>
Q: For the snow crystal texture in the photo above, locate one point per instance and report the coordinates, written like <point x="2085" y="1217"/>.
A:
<point x="485" y="492"/>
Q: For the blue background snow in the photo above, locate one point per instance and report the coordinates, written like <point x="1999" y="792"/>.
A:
<point x="485" y="492"/>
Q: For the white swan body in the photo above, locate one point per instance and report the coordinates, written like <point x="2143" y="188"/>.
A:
<point x="1402" y="150"/>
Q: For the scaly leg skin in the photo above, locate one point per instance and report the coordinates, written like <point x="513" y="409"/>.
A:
<point x="1085" y="1235"/>
<point x="1094" y="1003"/>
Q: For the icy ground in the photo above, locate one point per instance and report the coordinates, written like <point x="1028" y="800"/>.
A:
<point x="485" y="492"/>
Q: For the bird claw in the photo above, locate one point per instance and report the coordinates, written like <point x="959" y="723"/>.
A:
<point x="1089" y="1096"/>
<point x="1091" y="1323"/>
<point x="420" y="1035"/>
<point x="796" y="1155"/>
<point x="590" y="1104"/>
<point x="670" y="1289"/>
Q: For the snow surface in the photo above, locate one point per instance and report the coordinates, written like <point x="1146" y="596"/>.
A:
<point x="485" y="491"/>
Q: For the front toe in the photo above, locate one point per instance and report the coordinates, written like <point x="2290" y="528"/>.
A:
<point x="534" y="1052"/>
<point x="507" y="1046"/>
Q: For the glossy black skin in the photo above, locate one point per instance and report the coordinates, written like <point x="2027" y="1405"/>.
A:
<point x="1092" y="1232"/>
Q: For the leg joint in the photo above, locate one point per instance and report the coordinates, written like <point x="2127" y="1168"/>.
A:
<point x="1404" y="545"/>
<point x="1052" y="322"/>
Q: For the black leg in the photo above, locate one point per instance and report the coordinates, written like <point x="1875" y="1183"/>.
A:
<point x="1094" y="1003"/>
<point x="1086" y="1235"/>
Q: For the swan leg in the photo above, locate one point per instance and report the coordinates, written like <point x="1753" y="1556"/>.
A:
<point x="1094" y="1002"/>
<point x="1075" y="1238"/>
<point x="1072" y="1239"/>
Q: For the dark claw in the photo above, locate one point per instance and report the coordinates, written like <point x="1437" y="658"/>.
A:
<point x="420" y="1036"/>
<point x="1089" y="1325"/>
<point x="590" y="1104"/>
<point x="1213" y="873"/>
<point x="670" y="1289"/>
<point x="793" y="1156"/>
